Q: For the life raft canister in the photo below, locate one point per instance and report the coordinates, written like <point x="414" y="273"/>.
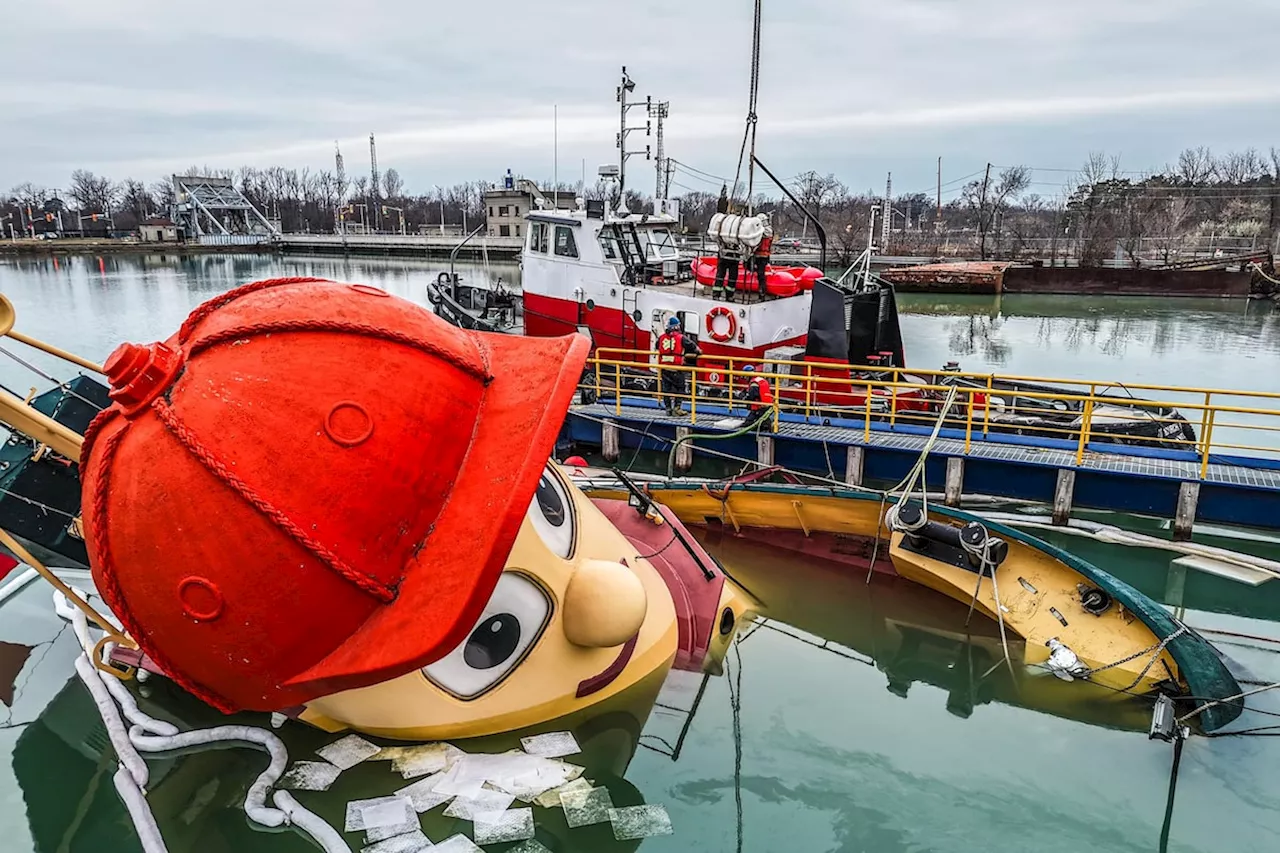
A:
<point x="731" y="327"/>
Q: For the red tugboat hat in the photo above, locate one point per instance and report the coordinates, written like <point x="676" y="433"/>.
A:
<point x="313" y="487"/>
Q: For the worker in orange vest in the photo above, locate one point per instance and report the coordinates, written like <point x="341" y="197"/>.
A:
<point x="671" y="346"/>
<point x="759" y="397"/>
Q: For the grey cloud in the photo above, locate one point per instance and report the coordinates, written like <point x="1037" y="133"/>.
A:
<point x="462" y="91"/>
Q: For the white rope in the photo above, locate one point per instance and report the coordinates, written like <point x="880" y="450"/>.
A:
<point x="1226" y="699"/>
<point x="150" y="735"/>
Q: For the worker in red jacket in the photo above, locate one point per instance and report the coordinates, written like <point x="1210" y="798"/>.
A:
<point x="671" y="352"/>
<point x="759" y="397"/>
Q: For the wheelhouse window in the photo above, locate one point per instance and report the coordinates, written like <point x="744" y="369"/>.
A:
<point x="538" y="241"/>
<point x="566" y="247"/>
<point x="659" y="245"/>
<point x="609" y="246"/>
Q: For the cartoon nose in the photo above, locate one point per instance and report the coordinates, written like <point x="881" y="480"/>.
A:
<point x="604" y="605"/>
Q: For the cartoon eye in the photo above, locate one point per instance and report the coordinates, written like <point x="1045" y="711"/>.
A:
<point x="511" y="623"/>
<point x="551" y="512"/>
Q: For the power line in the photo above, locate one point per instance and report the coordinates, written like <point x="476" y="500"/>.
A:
<point x="689" y="168"/>
<point x="696" y="177"/>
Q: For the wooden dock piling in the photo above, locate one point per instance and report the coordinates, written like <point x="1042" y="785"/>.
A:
<point x="609" y="443"/>
<point x="854" y="459"/>
<point x="955" y="481"/>
<point x="1063" y="495"/>
<point x="684" y="453"/>
<point x="1185" y="515"/>
<point x="764" y="450"/>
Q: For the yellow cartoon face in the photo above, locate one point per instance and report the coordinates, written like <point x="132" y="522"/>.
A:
<point x="575" y="618"/>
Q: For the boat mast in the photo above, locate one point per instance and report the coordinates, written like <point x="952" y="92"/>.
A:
<point x="749" y="133"/>
<point x="624" y="88"/>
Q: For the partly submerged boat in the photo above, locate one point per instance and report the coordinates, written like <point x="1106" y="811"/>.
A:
<point x="1073" y="619"/>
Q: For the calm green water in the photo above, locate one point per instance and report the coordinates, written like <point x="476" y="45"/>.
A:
<point x="882" y="740"/>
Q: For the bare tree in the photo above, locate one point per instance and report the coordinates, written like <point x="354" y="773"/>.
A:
<point x="136" y="200"/>
<point x="1240" y="167"/>
<point x="392" y="184"/>
<point x="1195" y="165"/>
<point x="92" y="193"/>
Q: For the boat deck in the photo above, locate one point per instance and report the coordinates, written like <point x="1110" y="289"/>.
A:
<point x="1109" y="477"/>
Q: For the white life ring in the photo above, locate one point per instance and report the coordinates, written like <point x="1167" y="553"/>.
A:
<point x="731" y="329"/>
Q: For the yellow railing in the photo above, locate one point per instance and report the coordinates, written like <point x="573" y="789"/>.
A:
<point x="1202" y="421"/>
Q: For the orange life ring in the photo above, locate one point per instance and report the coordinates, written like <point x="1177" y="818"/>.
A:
<point x="721" y="311"/>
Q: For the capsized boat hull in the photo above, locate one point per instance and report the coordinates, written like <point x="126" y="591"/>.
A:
<point x="1135" y="646"/>
<point x="911" y="634"/>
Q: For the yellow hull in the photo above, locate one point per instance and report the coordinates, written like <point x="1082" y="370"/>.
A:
<point x="1099" y="641"/>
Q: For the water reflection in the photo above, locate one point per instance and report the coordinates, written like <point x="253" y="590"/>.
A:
<point x="912" y="635"/>
<point x="1208" y="342"/>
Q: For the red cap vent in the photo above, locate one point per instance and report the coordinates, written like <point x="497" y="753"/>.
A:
<point x="139" y="374"/>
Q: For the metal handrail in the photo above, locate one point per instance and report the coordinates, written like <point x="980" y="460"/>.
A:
<point x="868" y="398"/>
<point x="453" y="253"/>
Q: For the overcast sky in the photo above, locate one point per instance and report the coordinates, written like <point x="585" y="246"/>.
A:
<point x="463" y="91"/>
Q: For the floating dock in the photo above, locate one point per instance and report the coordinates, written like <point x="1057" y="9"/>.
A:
<point x="1204" y="479"/>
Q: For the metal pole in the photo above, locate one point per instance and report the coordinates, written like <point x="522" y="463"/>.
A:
<point x="888" y="214"/>
<point x="983" y="221"/>
<point x="939" y="217"/>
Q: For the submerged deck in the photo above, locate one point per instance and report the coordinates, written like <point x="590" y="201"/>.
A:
<point x="1105" y="476"/>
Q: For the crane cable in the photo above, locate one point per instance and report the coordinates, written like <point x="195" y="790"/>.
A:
<point x="749" y="132"/>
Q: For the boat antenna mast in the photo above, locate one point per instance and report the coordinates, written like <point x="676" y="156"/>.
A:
<point x="749" y="132"/>
<point x="626" y="87"/>
<point x="659" y="112"/>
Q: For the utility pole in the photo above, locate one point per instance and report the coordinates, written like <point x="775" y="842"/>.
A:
<point x="341" y="169"/>
<point x="983" y="222"/>
<point x="888" y="214"/>
<point x="939" y="215"/>
<point x="660" y="111"/>
<point x="626" y="87"/>
<point x="373" y="177"/>
<point x="555" y="158"/>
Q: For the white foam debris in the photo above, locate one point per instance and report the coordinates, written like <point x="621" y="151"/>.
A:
<point x="519" y="774"/>
<point x="530" y="846"/>
<point x="452" y="754"/>
<point x="383" y="833"/>
<point x="551" y="744"/>
<point x="456" y="844"/>
<point x="414" y="761"/>
<point x="348" y="752"/>
<point x="389" y="753"/>
<point x="497" y="827"/>
<point x="423" y="795"/>
<point x="635" y="822"/>
<point x="485" y="802"/>
<point x="583" y="808"/>
<point x="409" y="842"/>
<point x="379" y="811"/>
<point x="455" y="786"/>
<point x="309" y="776"/>
<point x="551" y="799"/>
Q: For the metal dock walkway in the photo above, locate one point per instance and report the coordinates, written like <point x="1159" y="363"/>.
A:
<point x="1172" y="484"/>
